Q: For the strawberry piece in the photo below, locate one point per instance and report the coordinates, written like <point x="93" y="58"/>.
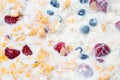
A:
<point x="59" y="46"/>
<point x="10" y="19"/>
<point x="11" y="53"/>
<point x="101" y="49"/>
<point x="26" y="50"/>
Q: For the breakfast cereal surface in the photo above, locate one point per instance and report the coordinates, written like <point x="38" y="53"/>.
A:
<point x="59" y="39"/>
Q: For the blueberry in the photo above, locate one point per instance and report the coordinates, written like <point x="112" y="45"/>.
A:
<point x="83" y="1"/>
<point x="55" y="3"/>
<point x="83" y="56"/>
<point x="85" y="29"/>
<point x="93" y="22"/>
<point x="50" y="12"/>
<point x="82" y="12"/>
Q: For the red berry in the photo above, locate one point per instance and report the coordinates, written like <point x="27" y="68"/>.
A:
<point x="59" y="46"/>
<point x="26" y="50"/>
<point x="101" y="49"/>
<point x="11" y="53"/>
<point x="101" y="4"/>
<point x="10" y="19"/>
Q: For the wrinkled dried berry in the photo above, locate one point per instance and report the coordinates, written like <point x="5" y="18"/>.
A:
<point x="101" y="49"/>
<point x="100" y="60"/>
<point x="26" y="50"/>
<point x="59" y="46"/>
<point x="10" y="19"/>
<point x="11" y="53"/>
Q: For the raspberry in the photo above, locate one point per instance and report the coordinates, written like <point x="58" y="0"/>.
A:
<point x="101" y="49"/>
<point x="10" y="19"/>
<point x="101" y="4"/>
<point x="26" y="50"/>
<point x="11" y="53"/>
<point x="85" y="70"/>
<point x="59" y="46"/>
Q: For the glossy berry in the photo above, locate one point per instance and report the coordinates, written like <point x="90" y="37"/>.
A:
<point x="10" y="19"/>
<point x="101" y="49"/>
<point x="59" y="46"/>
<point x="26" y="50"/>
<point x="83" y="1"/>
<point x="83" y="56"/>
<point x="117" y="25"/>
<point x="11" y="53"/>
<point x="82" y="12"/>
<point x="93" y="22"/>
<point x="85" y="29"/>
<point x="55" y="3"/>
<point x="50" y="12"/>
<point x="85" y="70"/>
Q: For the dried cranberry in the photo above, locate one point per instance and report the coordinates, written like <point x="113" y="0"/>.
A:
<point x="100" y="4"/>
<point x="101" y="49"/>
<point x="11" y="53"/>
<point x="117" y="24"/>
<point x="59" y="46"/>
<point x="85" y="70"/>
<point x="10" y="19"/>
<point x="100" y="60"/>
<point x="26" y="50"/>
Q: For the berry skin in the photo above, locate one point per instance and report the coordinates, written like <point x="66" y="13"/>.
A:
<point x="11" y="53"/>
<point x="50" y="12"/>
<point x="55" y="3"/>
<point x="10" y="19"/>
<point x="82" y="12"/>
<point x="26" y="50"/>
<point x="117" y="25"/>
<point x="93" y="22"/>
<point x="101" y="49"/>
<point x="83" y="1"/>
<point x="83" y="56"/>
<point x="85" y="29"/>
<point x="85" y="70"/>
<point x="59" y="46"/>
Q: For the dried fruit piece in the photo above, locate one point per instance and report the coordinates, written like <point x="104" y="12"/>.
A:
<point x="101" y="5"/>
<point x="26" y="50"/>
<point x="117" y="24"/>
<point x="100" y="60"/>
<point x="12" y="53"/>
<point x="59" y="46"/>
<point x="101" y="49"/>
<point x="85" y="70"/>
<point x="10" y="19"/>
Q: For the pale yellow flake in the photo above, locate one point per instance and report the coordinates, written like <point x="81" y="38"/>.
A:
<point x="105" y="77"/>
<point x="18" y="28"/>
<point x="20" y="38"/>
<point x="66" y="4"/>
<point x="103" y="27"/>
<point x="33" y="32"/>
<point x="11" y="1"/>
<point x="41" y="33"/>
<point x="69" y="48"/>
<point x="3" y="58"/>
<point x="111" y="68"/>
<point x="13" y="66"/>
